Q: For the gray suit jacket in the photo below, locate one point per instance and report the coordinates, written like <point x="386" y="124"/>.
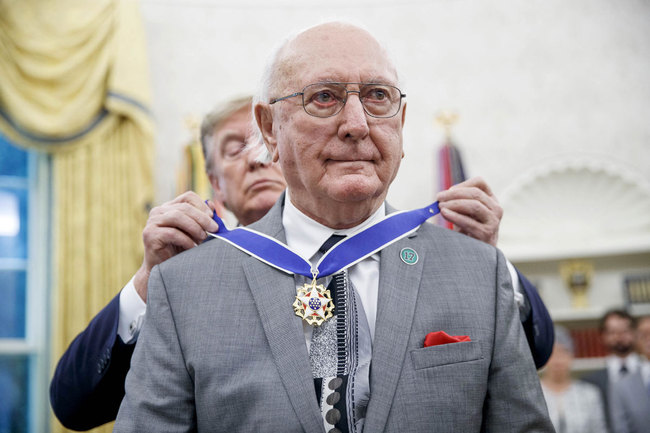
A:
<point x="221" y="349"/>
<point x="630" y="404"/>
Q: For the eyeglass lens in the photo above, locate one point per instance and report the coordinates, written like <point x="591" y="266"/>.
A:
<point x="327" y="99"/>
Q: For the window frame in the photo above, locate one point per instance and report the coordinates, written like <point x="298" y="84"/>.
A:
<point x="35" y="345"/>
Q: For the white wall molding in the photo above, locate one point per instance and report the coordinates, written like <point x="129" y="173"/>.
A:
<point x="575" y="206"/>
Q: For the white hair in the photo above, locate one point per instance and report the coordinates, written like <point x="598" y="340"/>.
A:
<point x="262" y="95"/>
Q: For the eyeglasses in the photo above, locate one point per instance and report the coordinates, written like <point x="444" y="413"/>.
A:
<point x="327" y="99"/>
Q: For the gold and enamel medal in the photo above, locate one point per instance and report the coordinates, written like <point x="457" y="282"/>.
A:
<point x="313" y="303"/>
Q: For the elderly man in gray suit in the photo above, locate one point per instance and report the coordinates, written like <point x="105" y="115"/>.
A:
<point x="401" y="326"/>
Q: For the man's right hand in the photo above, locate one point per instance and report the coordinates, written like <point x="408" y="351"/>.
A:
<point x="173" y="227"/>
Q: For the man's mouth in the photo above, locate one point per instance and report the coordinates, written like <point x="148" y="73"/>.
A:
<point x="262" y="183"/>
<point x="350" y="163"/>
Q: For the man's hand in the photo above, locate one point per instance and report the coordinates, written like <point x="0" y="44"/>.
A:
<point x="473" y="210"/>
<point x="173" y="227"/>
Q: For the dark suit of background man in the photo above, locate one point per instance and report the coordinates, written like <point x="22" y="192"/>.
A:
<point x="231" y="354"/>
<point x="88" y="384"/>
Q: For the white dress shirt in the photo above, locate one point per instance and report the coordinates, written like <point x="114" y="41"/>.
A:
<point x="305" y="236"/>
<point x="614" y="364"/>
<point x="132" y="309"/>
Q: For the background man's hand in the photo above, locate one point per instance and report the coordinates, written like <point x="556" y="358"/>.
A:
<point x="473" y="209"/>
<point x="173" y="227"/>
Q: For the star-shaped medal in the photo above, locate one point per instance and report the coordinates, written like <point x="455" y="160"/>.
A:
<point x="313" y="304"/>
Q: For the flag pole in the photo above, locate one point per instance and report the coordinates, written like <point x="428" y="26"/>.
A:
<point x="450" y="165"/>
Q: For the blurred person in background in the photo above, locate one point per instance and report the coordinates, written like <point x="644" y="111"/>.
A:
<point x="617" y="334"/>
<point x="574" y="406"/>
<point x="631" y="395"/>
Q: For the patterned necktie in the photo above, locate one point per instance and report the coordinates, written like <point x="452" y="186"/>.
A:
<point x="340" y="354"/>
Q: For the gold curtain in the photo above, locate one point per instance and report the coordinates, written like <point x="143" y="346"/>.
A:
<point x="192" y="176"/>
<point x="74" y="84"/>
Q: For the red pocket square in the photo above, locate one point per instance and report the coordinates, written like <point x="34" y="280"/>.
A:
<point x="441" y="337"/>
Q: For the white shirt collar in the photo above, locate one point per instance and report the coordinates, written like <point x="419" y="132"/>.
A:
<point x="614" y="364"/>
<point x="305" y="236"/>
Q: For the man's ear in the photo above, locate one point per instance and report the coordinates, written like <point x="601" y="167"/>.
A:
<point x="403" y="114"/>
<point x="218" y="192"/>
<point x="264" y="119"/>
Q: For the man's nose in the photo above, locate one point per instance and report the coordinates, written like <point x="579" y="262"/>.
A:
<point x="251" y="158"/>
<point x="354" y="121"/>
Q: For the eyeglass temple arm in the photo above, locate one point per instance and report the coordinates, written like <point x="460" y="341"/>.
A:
<point x="274" y="100"/>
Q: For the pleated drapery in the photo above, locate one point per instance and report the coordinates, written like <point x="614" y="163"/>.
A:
<point x="74" y="84"/>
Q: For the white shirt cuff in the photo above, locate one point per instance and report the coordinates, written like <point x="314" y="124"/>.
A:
<point x="132" y="309"/>
<point x="520" y="300"/>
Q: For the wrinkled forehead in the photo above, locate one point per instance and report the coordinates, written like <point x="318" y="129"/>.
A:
<point x="333" y="52"/>
<point x="239" y="121"/>
<point x="618" y="323"/>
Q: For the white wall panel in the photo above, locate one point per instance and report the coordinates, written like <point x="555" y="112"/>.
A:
<point x="531" y="80"/>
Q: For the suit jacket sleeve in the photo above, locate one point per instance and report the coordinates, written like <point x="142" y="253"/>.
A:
<point x="88" y="383"/>
<point x="538" y="326"/>
<point x="160" y="390"/>
<point x="514" y="400"/>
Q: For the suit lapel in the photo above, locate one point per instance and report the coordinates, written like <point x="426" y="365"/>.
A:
<point x="274" y="293"/>
<point x="398" y="290"/>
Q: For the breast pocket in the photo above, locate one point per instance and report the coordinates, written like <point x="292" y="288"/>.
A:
<point x="445" y="354"/>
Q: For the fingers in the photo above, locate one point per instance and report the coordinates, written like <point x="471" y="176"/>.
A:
<point x="483" y="226"/>
<point x="187" y="212"/>
<point x="475" y="188"/>
<point x="176" y="226"/>
<point x="473" y="209"/>
<point x="475" y="182"/>
<point x="193" y="199"/>
<point x="161" y="243"/>
<point x="183" y="217"/>
<point x="166" y="242"/>
<point x="212" y="206"/>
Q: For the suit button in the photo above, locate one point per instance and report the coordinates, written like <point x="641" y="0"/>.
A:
<point x="101" y="365"/>
<point x="132" y="327"/>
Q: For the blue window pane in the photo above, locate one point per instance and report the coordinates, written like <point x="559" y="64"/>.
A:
<point x="13" y="223"/>
<point x="14" y="383"/>
<point x="13" y="161"/>
<point x="12" y="307"/>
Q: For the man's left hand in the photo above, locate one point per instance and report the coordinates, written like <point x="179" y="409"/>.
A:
<point x="473" y="209"/>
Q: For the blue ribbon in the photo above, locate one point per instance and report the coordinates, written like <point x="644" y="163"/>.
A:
<point x="346" y="253"/>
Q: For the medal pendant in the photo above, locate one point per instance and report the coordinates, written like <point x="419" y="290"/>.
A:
<point x="313" y="303"/>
